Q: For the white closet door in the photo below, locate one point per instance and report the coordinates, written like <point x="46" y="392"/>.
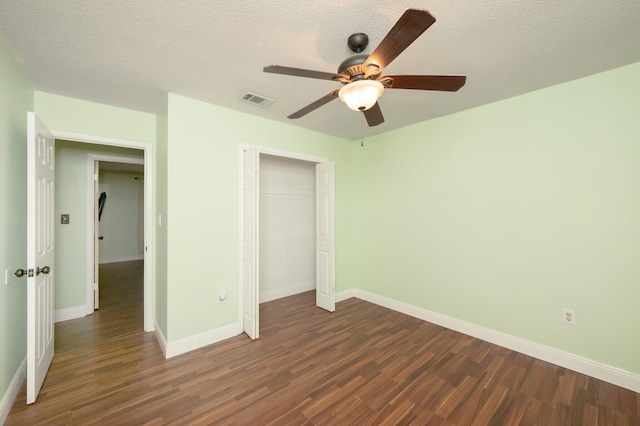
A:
<point x="250" y="245"/>
<point x="325" y="237"/>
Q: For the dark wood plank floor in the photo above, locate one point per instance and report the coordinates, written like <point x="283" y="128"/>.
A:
<point x="121" y="309"/>
<point x="362" y="365"/>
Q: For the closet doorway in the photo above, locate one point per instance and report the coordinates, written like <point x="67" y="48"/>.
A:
<point x="287" y="233"/>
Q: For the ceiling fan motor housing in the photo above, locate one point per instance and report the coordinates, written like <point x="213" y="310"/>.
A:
<point x="353" y="66"/>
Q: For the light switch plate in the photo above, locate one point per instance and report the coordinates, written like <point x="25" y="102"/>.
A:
<point x="8" y="273"/>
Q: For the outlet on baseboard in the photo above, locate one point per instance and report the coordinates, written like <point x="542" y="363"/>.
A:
<point x="569" y="316"/>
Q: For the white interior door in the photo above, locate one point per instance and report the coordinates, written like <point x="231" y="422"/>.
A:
<point x="40" y="253"/>
<point x="250" y="300"/>
<point x="96" y="234"/>
<point x="325" y="237"/>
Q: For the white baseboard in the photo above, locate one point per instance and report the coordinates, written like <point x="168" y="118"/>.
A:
<point x="122" y="259"/>
<point x="10" y="395"/>
<point x="196" y="342"/>
<point x="162" y="341"/>
<point x="267" y="296"/>
<point x="573" y="362"/>
<point x="345" y="294"/>
<point x="69" y="313"/>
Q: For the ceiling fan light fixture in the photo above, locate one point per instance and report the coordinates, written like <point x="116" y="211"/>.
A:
<point x="361" y="95"/>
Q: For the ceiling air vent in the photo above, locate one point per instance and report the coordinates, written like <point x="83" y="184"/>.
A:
<point x="255" y="99"/>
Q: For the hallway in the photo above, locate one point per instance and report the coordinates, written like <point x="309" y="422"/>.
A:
<point x="121" y="310"/>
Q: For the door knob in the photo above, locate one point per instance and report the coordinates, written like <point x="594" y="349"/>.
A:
<point x="101" y="237"/>
<point x="44" y="270"/>
<point x="28" y="272"/>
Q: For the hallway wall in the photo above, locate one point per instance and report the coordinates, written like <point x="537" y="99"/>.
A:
<point x="119" y="222"/>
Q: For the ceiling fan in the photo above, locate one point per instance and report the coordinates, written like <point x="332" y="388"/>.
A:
<point x="361" y="73"/>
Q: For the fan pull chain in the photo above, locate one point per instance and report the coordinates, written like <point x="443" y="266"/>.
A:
<point x="362" y="129"/>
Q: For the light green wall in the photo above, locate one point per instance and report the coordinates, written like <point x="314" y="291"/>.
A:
<point x="15" y="100"/>
<point x="119" y="221"/>
<point x="71" y="198"/>
<point x="203" y="207"/>
<point x="74" y="115"/>
<point x="505" y="214"/>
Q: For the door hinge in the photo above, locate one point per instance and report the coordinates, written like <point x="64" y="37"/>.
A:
<point x="95" y="286"/>
<point x="95" y="177"/>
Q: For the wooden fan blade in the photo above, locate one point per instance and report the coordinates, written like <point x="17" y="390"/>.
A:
<point x="299" y="72"/>
<point x="445" y="83"/>
<point x="374" y="115"/>
<point x="411" y="24"/>
<point x="315" y="105"/>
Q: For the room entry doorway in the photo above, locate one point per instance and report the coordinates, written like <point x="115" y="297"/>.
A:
<point x="41" y="270"/>
<point x="97" y="204"/>
<point x="250" y="234"/>
<point x="147" y="160"/>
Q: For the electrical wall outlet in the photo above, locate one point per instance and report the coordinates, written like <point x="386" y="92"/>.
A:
<point x="569" y="316"/>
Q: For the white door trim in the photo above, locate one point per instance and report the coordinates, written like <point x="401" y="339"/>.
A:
<point x="268" y="151"/>
<point x="149" y="254"/>
<point x="91" y="158"/>
<point x="285" y="154"/>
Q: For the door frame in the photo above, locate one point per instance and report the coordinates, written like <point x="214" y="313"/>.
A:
<point x="267" y="151"/>
<point x="91" y="255"/>
<point x="149" y="253"/>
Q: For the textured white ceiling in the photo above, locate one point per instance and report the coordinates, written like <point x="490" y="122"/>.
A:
<point x="130" y="53"/>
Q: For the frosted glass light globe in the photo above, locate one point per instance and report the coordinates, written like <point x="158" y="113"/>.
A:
<point x="361" y="95"/>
